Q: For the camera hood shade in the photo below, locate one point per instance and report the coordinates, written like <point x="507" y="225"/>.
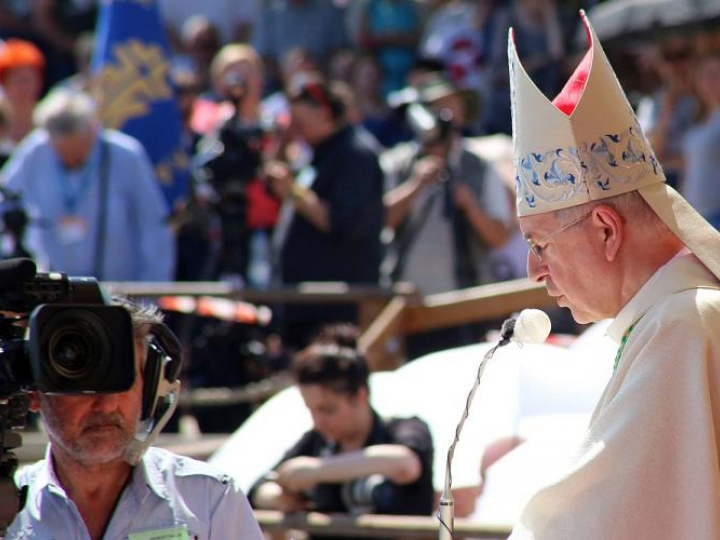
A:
<point x="79" y="349"/>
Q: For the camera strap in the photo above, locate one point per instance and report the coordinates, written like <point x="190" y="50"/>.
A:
<point x="102" y="209"/>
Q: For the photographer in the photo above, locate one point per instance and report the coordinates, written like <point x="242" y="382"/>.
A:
<point x="100" y="479"/>
<point x="444" y="208"/>
<point x="352" y="460"/>
<point x="333" y="213"/>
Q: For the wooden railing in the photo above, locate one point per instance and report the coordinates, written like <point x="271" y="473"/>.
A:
<point x="373" y="526"/>
<point x="369" y="299"/>
<point x="386" y="315"/>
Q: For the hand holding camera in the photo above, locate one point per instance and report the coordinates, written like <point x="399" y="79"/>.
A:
<point x="428" y="171"/>
<point x="279" y="178"/>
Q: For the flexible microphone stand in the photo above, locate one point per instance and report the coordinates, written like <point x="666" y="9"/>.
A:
<point x="446" y="508"/>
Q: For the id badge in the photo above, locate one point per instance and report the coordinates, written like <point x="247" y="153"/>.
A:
<point x="179" y="532"/>
<point x="73" y="229"/>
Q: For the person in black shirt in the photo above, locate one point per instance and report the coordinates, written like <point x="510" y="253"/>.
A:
<point x="333" y="215"/>
<point x="352" y="460"/>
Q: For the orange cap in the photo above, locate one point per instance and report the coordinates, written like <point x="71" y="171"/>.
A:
<point x="18" y="53"/>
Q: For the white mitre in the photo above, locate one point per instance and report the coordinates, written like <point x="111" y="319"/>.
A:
<point x="587" y="145"/>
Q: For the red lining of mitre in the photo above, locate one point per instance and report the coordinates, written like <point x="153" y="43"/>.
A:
<point x="570" y="95"/>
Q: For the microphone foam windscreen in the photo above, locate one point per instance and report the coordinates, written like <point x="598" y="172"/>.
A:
<point x="532" y="326"/>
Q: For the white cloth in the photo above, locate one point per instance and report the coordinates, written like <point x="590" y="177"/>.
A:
<point x="648" y="466"/>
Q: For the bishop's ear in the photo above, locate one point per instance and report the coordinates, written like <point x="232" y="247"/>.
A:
<point x="610" y="227"/>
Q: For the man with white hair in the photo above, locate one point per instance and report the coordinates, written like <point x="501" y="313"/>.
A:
<point x="96" y="208"/>
<point x="610" y="239"/>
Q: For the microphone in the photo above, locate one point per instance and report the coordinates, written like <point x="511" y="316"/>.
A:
<point x="529" y="326"/>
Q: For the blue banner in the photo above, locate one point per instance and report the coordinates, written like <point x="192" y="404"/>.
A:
<point x="134" y="91"/>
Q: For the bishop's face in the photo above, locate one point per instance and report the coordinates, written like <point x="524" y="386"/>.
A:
<point x="569" y="263"/>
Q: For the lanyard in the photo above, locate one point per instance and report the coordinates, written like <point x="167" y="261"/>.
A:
<point x="75" y="185"/>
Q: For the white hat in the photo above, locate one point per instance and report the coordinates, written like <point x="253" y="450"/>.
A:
<point x="587" y="145"/>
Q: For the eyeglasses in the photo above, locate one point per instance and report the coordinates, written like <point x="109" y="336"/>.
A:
<point x="535" y="247"/>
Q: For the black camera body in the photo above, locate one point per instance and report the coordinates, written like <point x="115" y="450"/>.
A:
<point x="230" y="163"/>
<point x="425" y="126"/>
<point x="60" y="335"/>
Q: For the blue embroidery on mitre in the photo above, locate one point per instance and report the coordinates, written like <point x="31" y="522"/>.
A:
<point x="550" y="177"/>
<point x="558" y="175"/>
<point x="623" y="158"/>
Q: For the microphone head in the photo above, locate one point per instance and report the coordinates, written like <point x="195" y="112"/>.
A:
<point x="531" y="326"/>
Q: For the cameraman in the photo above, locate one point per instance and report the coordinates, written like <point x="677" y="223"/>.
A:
<point x="229" y="160"/>
<point x="99" y="481"/>
<point x="352" y="460"/>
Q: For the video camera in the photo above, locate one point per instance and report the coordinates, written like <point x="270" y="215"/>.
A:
<point x="59" y="335"/>
<point x="226" y="163"/>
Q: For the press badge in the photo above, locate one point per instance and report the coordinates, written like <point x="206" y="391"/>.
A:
<point x="178" y="532"/>
<point x="72" y="229"/>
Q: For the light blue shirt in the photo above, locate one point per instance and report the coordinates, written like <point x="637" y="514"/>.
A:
<point x="165" y="491"/>
<point x="138" y="245"/>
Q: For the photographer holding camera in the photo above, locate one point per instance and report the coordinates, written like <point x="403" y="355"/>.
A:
<point x="443" y="205"/>
<point x="332" y="216"/>
<point x="100" y="479"/>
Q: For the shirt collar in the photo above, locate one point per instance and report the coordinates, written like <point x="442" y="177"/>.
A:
<point x="145" y="473"/>
<point x="378" y="434"/>
<point x="682" y="272"/>
<point x="148" y="473"/>
<point x="46" y="477"/>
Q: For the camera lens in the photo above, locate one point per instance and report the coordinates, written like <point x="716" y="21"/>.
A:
<point x="81" y="348"/>
<point x="71" y="352"/>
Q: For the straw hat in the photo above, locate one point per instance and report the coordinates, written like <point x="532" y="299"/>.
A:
<point x="438" y="86"/>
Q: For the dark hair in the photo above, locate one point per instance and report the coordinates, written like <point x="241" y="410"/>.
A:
<point x="341" y="369"/>
<point x="314" y="91"/>
<point x="340" y="334"/>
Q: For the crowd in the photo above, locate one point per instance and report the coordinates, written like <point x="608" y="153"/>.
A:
<point x="335" y="141"/>
<point x="328" y="141"/>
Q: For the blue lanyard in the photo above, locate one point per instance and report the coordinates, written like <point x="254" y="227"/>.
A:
<point x="74" y="189"/>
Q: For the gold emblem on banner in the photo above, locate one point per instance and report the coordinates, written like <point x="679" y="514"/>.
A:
<point x="127" y="88"/>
